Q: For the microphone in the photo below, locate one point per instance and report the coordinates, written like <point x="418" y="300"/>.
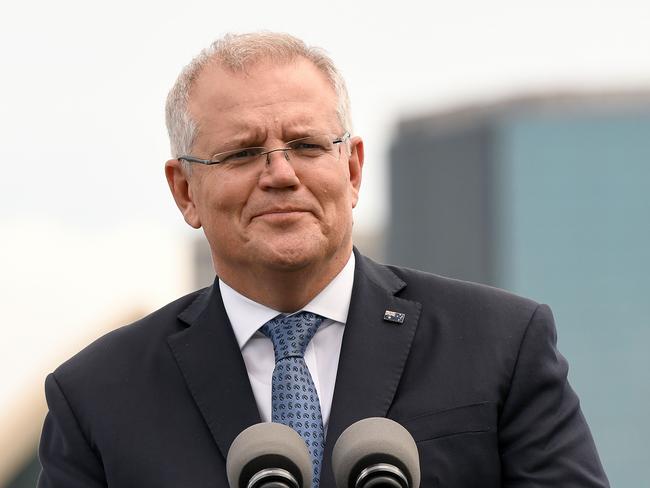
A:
<point x="269" y="455"/>
<point x="376" y="453"/>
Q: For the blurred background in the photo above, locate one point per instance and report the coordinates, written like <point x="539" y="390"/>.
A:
<point x="507" y="142"/>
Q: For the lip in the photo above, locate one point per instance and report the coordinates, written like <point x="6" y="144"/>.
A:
<point x="280" y="213"/>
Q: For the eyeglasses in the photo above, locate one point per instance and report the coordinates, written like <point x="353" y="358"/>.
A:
<point x="304" y="149"/>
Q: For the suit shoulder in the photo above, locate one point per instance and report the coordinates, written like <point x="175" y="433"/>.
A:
<point x="131" y="341"/>
<point x="473" y="319"/>
<point x="449" y="294"/>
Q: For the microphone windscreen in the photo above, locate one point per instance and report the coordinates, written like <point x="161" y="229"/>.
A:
<point x="371" y="441"/>
<point x="265" y="446"/>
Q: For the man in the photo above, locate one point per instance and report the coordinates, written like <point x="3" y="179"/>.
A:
<point x="264" y="164"/>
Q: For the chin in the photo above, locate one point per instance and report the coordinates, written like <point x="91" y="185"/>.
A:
<point x="295" y="253"/>
<point x="289" y="257"/>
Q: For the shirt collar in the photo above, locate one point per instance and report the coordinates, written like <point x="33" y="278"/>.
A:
<point x="247" y="316"/>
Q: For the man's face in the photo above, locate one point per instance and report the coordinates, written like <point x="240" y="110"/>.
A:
<point x="276" y="216"/>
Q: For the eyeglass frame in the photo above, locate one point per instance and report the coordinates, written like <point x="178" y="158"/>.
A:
<point x="267" y="152"/>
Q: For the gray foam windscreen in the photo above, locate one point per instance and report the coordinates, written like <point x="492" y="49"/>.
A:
<point x="375" y="439"/>
<point x="269" y="445"/>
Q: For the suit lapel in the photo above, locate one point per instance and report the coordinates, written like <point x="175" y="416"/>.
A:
<point x="209" y="357"/>
<point x="373" y="353"/>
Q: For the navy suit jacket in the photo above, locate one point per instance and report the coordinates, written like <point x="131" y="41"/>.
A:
<point x="473" y="373"/>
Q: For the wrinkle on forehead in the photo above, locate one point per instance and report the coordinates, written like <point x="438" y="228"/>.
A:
<point x="269" y="102"/>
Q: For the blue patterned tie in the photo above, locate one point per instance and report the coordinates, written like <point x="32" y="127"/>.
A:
<point x="294" y="397"/>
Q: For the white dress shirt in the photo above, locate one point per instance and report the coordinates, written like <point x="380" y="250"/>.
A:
<point x="322" y="354"/>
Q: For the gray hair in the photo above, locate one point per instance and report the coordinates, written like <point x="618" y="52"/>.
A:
<point x="237" y="52"/>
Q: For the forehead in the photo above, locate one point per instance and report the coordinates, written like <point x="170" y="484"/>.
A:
<point x="265" y="96"/>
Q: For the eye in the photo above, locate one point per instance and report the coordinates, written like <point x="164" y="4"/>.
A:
<point x="307" y="145"/>
<point x="239" y="156"/>
<point x="311" y="146"/>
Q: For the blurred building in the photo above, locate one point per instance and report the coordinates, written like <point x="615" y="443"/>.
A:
<point x="547" y="197"/>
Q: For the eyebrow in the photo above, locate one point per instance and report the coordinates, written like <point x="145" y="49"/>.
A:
<point x="240" y="139"/>
<point x="300" y="130"/>
<point x="256" y="136"/>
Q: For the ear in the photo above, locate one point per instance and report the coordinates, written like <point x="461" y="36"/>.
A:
<point x="355" y="167"/>
<point x="179" y="184"/>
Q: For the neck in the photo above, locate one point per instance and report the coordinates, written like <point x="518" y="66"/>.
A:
<point x="284" y="290"/>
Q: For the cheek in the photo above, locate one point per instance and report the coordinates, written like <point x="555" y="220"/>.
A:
<point x="340" y="192"/>
<point x="337" y="202"/>
<point x="219" y="197"/>
<point x="331" y="183"/>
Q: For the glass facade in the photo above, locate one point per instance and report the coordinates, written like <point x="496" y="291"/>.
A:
<point x="562" y="215"/>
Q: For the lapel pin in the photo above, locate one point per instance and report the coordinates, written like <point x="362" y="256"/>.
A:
<point x="396" y="317"/>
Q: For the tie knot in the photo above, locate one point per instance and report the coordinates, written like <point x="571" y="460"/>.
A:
<point x="290" y="334"/>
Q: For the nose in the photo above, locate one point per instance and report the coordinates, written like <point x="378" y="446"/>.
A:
<point x="278" y="171"/>
<point x="268" y="154"/>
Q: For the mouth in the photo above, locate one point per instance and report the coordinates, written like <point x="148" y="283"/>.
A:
<point x="280" y="214"/>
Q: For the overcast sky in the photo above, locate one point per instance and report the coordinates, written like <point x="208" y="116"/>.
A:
<point x="84" y="82"/>
<point x="89" y="230"/>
